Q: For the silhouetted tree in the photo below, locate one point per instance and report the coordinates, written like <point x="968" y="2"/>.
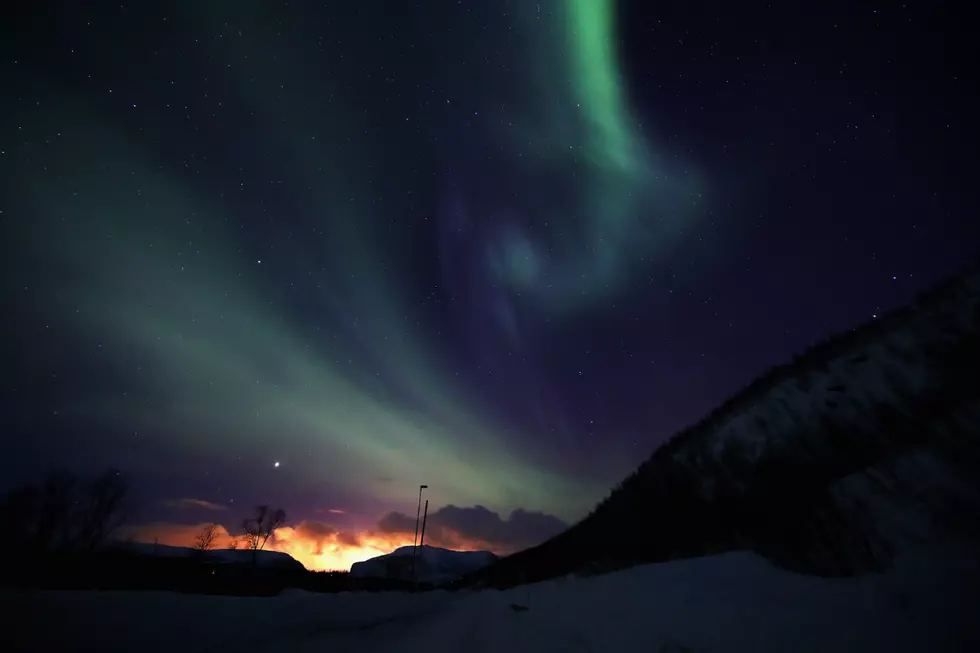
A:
<point x="204" y="541"/>
<point x="40" y="518"/>
<point x="64" y="513"/>
<point x="18" y="512"/>
<point x="101" y="512"/>
<point x="259" y="529"/>
<point x="57" y="512"/>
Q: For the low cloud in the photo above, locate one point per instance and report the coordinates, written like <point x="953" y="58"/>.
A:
<point x="193" y="503"/>
<point x="454" y="527"/>
<point x="175" y="534"/>
<point x="316" y="533"/>
<point x="322" y="546"/>
<point x="319" y="545"/>
<point x="330" y="511"/>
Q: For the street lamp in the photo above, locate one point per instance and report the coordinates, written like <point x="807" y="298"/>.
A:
<point x="418" y="513"/>
<point x="415" y="542"/>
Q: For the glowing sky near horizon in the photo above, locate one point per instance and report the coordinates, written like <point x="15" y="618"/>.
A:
<point x="271" y="317"/>
<point x="504" y="249"/>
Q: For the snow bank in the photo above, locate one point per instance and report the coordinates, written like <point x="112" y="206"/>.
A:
<point x="108" y="621"/>
<point x="734" y="602"/>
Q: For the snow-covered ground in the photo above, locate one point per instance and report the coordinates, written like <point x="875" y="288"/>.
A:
<point x="733" y="602"/>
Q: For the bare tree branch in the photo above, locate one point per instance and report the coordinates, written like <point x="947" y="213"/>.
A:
<point x="101" y="509"/>
<point x="259" y="529"/>
<point x="204" y="541"/>
<point x="57" y="515"/>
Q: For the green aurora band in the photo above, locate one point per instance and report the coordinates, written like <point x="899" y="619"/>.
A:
<point x="633" y="204"/>
<point x="151" y="271"/>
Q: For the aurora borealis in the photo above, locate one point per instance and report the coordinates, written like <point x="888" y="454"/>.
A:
<point x="483" y="246"/>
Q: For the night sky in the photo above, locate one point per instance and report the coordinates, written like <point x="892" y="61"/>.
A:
<point x="505" y="248"/>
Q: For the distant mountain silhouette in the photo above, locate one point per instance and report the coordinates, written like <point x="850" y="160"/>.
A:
<point x="264" y="559"/>
<point x="865" y="445"/>
<point x="433" y="564"/>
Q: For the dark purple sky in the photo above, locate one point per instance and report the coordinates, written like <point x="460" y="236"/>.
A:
<point x="505" y="249"/>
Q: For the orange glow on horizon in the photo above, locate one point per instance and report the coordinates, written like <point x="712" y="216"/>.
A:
<point x="330" y="553"/>
<point x="316" y="547"/>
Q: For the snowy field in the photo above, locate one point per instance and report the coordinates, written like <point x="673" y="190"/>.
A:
<point x="735" y="602"/>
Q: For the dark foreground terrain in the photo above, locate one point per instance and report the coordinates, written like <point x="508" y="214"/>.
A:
<point x="120" y="570"/>
<point x="862" y="447"/>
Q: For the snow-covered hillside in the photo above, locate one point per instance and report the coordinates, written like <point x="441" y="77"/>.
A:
<point x="433" y="564"/>
<point x="731" y="603"/>
<point x="264" y="559"/>
<point x="862" y="447"/>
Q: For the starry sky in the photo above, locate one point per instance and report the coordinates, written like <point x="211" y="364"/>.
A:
<point x="316" y="254"/>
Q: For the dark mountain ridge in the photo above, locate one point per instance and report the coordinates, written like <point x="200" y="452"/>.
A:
<point x="865" y="445"/>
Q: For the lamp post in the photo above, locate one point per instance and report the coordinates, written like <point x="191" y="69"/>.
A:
<point x="415" y="542"/>
<point x="415" y="576"/>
